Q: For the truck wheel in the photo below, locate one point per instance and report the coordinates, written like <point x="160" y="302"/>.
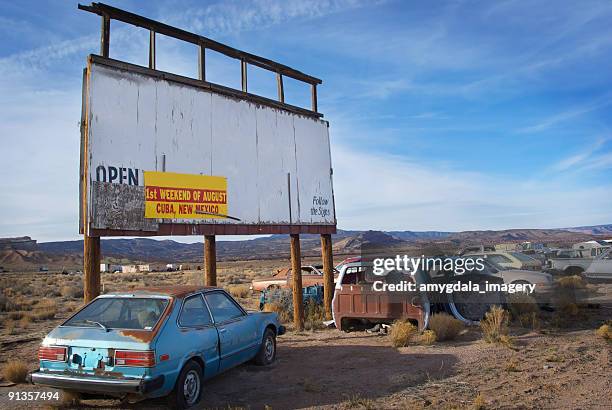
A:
<point x="188" y="389"/>
<point x="574" y="270"/>
<point x="267" y="351"/>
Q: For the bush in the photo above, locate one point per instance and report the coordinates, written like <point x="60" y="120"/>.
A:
<point x="495" y="325"/>
<point x="73" y="292"/>
<point x="402" y="332"/>
<point x="44" y="310"/>
<point x="571" y="282"/>
<point x="605" y="331"/>
<point x="445" y="326"/>
<point x="239" y="291"/>
<point x="6" y="304"/>
<point x="427" y="338"/>
<point x="15" y="371"/>
<point x="524" y="310"/>
<point x="314" y="314"/>
<point x="284" y="315"/>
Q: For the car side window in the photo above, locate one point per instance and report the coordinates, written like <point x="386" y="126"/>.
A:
<point x="497" y="258"/>
<point x="222" y="307"/>
<point x="194" y="313"/>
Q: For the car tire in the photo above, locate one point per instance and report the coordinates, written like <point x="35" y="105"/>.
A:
<point x="267" y="351"/>
<point x="189" y="386"/>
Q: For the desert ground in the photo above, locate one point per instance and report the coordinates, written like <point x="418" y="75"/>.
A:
<point x="556" y="363"/>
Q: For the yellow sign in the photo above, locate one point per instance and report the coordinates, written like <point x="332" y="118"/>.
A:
<point x="184" y="196"/>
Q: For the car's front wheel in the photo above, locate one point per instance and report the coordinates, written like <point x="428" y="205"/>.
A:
<point x="188" y="389"/>
<point x="267" y="351"/>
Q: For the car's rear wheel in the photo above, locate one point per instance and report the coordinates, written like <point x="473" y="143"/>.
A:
<point x="188" y="390"/>
<point x="267" y="351"/>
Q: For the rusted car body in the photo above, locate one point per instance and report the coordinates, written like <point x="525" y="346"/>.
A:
<point x="357" y="304"/>
<point x="282" y="279"/>
<point x="155" y="342"/>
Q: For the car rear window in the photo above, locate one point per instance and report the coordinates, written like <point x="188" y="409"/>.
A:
<point x="120" y="313"/>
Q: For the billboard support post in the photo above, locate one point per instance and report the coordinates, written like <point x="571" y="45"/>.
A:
<point x="91" y="266"/>
<point x="210" y="260"/>
<point x="328" y="274"/>
<point x="296" y="270"/>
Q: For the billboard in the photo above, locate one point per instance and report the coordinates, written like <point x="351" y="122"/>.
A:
<point x="164" y="154"/>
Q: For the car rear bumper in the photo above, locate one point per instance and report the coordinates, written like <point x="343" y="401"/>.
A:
<point x="94" y="384"/>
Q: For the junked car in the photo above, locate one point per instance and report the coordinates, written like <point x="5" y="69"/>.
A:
<point x="509" y="260"/>
<point x="600" y="269"/>
<point x="155" y="342"/>
<point x="282" y="279"/>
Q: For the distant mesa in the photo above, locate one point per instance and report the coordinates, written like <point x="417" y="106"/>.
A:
<point x="21" y="243"/>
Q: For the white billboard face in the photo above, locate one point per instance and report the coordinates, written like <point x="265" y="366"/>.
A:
<point x="161" y="153"/>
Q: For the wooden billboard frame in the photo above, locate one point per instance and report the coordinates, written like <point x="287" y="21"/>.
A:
<point x="91" y="259"/>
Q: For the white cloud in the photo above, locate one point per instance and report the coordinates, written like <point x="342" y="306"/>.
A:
<point x="381" y="191"/>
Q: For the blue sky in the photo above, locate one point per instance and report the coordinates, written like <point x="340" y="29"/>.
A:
<point x="454" y="115"/>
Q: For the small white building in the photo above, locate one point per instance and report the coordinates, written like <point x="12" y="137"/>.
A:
<point x="129" y="269"/>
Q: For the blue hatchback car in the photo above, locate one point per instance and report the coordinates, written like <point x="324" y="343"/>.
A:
<point x="155" y="342"/>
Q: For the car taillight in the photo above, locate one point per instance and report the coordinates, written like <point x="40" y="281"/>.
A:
<point x="52" y="353"/>
<point x="135" y="358"/>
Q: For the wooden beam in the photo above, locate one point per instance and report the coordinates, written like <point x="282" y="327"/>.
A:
<point x="296" y="271"/>
<point x="328" y="274"/>
<point x="201" y="62"/>
<point x="281" y="88"/>
<point x="313" y="97"/>
<point x="105" y="36"/>
<point x="243" y="71"/>
<point x="210" y="260"/>
<point x="91" y="267"/>
<point x="170" y="31"/>
<point x="152" y="49"/>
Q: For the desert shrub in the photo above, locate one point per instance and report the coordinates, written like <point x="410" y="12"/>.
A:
<point x="571" y="282"/>
<point x="495" y="325"/>
<point x="6" y="304"/>
<point x="445" y="326"/>
<point x="9" y="325"/>
<point x="314" y="314"/>
<point x="73" y="291"/>
<point x="402" y="332"/>
<point x="15" y="371"/>
<point x="25" y="320"/>
<point x="605" y="331"/>
<point x="71" y="399"/>
<point x="524" y="310"/>
<point x="284" y="315"/>
<point x="239" y="291"/>
<point x="16" y="315"/>
<point x="479" y="402"/>
<point x="427" y="338"/>
<point x="45" y="309"/>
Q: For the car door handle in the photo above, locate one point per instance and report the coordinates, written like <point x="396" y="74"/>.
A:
<point x="222" y="330"/>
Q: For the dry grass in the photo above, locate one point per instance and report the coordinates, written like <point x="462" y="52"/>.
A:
<point x="284" y="315"/>
<point x="479" y="402"/>
<point x="239" y="291"/>
<point x="15" y="371"/>
<point x="44" y="310"/>
<point x="524" y="310"/>
<point x="571" y="282"/>
<point x="445" y="326"/>
<point x="605" y="331"/>
<point x="495" y="326"/>
<point x="402" y="332"/>
<point x="314" y="315"/>
<point x="427" y="338"/>
<point x="25" y="321"/>
<point x="73" y="291"/>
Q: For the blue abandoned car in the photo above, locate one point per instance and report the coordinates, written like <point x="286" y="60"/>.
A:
<point x="155" y="342"/>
